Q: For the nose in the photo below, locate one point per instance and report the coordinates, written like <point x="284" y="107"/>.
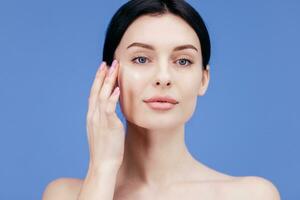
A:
<point x="158" y="83"/>
<point x="163" y="77"/>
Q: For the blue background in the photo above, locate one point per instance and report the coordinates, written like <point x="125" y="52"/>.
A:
<point x="247" y="123"/>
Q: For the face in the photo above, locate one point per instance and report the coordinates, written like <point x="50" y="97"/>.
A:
<point x="151" y="65"/>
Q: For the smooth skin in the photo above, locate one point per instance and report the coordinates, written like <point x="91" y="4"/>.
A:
<point x="152" y="160"/>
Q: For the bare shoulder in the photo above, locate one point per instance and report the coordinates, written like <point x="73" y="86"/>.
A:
<point x="253" y="187"/>
<point x="62" y="189"/>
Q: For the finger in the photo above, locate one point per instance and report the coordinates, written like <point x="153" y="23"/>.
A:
<point x="112" y="102"/>
<point x="111" y="109"/>
<point x="97" y="83"/>
<point x="109" y="82"/>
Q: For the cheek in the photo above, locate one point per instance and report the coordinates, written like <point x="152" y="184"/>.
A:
<point x="190" y="84"/>
<point x="131" y="80"/>
<point x="187" y="107"/>
<point x="132" y="84"/>
<point x="188" y="91"/>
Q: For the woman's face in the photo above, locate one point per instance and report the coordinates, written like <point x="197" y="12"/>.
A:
<point x="149" y="66"/>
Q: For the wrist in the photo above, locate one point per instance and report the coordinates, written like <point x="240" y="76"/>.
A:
<point x="104" y="167"/>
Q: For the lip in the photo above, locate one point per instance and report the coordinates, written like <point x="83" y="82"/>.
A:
<point x="161" y="106"/>
<point x="166" y="99"/>
<point x="161" y="102"/>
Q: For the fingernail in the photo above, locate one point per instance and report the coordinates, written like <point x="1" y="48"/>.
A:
<point x="113" y="66"/>
<point x="102" y="66"/>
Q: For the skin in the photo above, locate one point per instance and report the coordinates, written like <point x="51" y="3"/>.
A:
<point x="157" y="163"/>
<point x="155" y="153"/>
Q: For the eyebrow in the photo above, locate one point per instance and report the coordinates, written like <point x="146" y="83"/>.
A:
<point x="147" y="46"/>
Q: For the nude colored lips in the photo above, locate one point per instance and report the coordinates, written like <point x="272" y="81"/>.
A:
<point x="161" y="103"/>
<point x="161" y="106"/>
<point x="161" y="99"/>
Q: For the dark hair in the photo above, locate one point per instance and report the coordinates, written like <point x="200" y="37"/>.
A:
<point x="133" y="9"/>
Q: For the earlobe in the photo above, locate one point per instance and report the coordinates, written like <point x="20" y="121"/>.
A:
<point x="204" y="81"/>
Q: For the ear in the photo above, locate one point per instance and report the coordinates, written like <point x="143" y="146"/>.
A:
<point x="204" y="81"/>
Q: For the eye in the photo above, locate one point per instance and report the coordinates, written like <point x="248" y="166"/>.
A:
<point x="141" y="59"/>
<point x="183" y="62"/>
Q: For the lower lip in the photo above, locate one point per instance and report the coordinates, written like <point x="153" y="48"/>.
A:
<point x="161" y="106"/>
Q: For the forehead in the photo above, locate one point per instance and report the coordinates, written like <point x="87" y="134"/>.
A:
<point x="166" y="30"/>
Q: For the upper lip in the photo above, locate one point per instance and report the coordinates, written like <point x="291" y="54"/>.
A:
<point x="161" y="98"/>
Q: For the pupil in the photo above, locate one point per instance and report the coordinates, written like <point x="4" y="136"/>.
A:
<point x="141" y="59"/>
<point x="182" y="62"/>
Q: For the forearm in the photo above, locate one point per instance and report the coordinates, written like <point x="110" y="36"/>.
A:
<point x="99" y="184"/>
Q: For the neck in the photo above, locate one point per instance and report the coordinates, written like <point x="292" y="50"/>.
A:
<point x="154" y="157"/>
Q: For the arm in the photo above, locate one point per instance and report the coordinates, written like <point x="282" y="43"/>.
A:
<point x="106" y="137"/>
<point x="99" y="184"/>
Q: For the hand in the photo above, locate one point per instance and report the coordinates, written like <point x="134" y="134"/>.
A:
<point x="106" y="134"/>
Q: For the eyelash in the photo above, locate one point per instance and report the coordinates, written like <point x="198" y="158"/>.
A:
<point x="189" y="61"/>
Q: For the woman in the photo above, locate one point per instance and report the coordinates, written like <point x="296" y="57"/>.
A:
<point x="161" y="50"/>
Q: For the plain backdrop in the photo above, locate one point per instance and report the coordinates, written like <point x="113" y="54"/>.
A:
<point x="247" y="124"/>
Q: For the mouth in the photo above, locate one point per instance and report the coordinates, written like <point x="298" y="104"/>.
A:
<point x="161" y="105"/>
<point x="162" y="99"/>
